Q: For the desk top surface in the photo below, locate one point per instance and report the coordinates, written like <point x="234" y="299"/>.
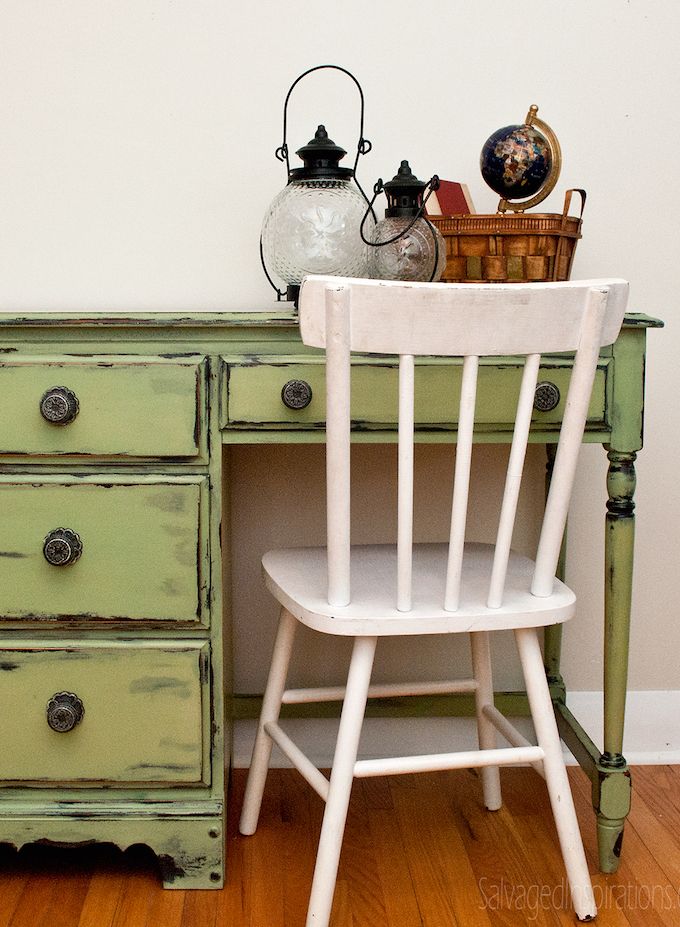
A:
<point x="262" y="319"/>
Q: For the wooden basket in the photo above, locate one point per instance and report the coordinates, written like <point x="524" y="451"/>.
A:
<point x="510" y="247"/>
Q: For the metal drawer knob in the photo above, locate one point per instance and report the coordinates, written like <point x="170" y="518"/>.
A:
<point x="64" y="711"/>
<point x="59" y="405"/>
<point x="546" y="397"/>
<point x="62" y="546"/>
<point x="296" y="394"/>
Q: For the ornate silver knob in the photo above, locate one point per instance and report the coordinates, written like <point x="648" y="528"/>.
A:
<point x="62" y="546"/>
<point x="59" y="405"/>
<point x="546" y="397"/>
<point x="64" y="711"/>
<point x="296" y="394"/>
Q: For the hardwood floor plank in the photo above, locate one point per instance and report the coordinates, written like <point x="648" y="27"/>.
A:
<point x="443" y="879"/>
<point x="140" y="886"/>
<point x="167" y="909"/>
<point x="13" y="878"/>
<point x="420" y="851"/>
<point x="103" y="897"/>
<point x="201" y="908"/>
<point x="507" y="883"/>
<point x="358" y="865"/>
<point x="401" y="904"/>
<point x="38" y="890"/>
<point x="617" y="894"/>
<point x="262" y="874"/>
<point x="533" y="825"/>
<point x="66" y="899"/>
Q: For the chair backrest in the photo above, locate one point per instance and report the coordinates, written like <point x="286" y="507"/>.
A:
<point x="470" y="321"/>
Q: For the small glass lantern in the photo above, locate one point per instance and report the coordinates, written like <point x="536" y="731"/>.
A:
<point x="405" y="245"/>
<point x="313" y="226"/>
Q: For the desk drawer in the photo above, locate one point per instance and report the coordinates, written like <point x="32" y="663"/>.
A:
<point x="142" y="718"/>
<point x="143" y="543"/>
<point x="253" y="394"/>
<point x="126" y="407"/>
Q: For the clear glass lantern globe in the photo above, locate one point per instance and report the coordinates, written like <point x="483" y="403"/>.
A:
<point x="414" y="249"/>
<point x="412" y="255"/>
<point x="313" y="225"/>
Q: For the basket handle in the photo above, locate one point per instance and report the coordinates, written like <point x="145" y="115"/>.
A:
<point x="567" y="202"/>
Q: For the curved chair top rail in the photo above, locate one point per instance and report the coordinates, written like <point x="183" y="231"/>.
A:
<point x="457" y="319"/>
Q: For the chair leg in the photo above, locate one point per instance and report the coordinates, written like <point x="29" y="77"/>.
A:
<point x="271" y="706"/>
<point x="486" y="732"/>
<point x="556" y="774"/>
<point x="342" y="775"/>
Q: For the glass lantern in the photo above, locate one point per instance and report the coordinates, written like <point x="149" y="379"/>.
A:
<point x="313" y="225"/>
<point x="405" y="246"/>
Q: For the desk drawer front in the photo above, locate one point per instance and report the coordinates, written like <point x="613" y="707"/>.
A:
<point x="142" y="556"/>
<point x="254" y="394"/>
<point x="126" y="407"/>
<point x="142" y="719"/>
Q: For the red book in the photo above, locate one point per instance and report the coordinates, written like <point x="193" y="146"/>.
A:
<point x="451" y="199"/>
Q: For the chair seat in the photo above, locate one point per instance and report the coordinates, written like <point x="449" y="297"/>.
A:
<point x="297" y="577"/>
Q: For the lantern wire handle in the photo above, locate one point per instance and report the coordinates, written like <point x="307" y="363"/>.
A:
<point x="363" y="145"/>
<point x="280" y="294"/>
<point x="282" y="154"/>
<point x="433" y="184"/>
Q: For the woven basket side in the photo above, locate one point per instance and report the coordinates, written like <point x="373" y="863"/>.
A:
<point x="499" y="248"/>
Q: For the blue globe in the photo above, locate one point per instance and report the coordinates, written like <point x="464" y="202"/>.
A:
<point x="516" y="161"/>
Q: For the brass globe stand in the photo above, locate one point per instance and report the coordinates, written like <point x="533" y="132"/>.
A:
<point x="532" y="120"/>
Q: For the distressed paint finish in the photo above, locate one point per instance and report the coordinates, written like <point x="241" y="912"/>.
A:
<point x="141" y="557"/>
<point x="189" y="846"/>
<point x="254" y="393"/>
<point x="142" y="720"/>
<point x="120" y="400"/>
<point x="178" y="432"/>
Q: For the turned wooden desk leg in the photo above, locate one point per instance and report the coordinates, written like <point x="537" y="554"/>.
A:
<point x="611" y="792"/>
<point x="552" y="634"/>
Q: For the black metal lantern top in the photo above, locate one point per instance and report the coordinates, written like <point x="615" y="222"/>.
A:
<point x="321" y="156"/>
<point x="404" y="193"/>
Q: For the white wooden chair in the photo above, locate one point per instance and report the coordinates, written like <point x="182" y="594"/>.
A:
<point x="375" y="591"/>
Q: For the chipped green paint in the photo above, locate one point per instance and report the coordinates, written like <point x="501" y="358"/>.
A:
<point x="144" y="548"/>
<point x="120" y="399"/>
<point x="136" y="715"/>
<point x="142" y="466"/>
<point x="253" y="393"/>
<point x="190" y="849"/>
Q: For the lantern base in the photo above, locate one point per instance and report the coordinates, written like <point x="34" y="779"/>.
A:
<point x="293" y="293"/>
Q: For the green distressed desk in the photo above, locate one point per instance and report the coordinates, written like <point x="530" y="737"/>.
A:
<point x="113" y="656"/>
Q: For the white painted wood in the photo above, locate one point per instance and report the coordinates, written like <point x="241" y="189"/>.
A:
<point x="555" y="774"/>
<point x="510" y="732"/>
<point x="385" y="690"/>
<point x="486" y="734"/>
<point x="571" y="433"/>
<point x="304" y="766"/>
<point x="513" y="480"/>
<point x="405" y="483"/>
<point x="440" y="588"/>
<point x="271" y="706"/>
<point x="298" y="579"/>
<point x="472" y="759"/>
<point x="455" y="319"/>
<point x="332" y="828"/>
<point x="461" y="484"/>
<point x="652" y="734"/>
<point x="337" y="321"/>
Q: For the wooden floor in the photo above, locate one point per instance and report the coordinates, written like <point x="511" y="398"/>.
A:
<point x="419" y="851"/>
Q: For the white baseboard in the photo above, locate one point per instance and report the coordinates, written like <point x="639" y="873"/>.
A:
<point x="652" y="734"/>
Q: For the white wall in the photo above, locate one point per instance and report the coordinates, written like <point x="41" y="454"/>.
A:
<point x="136" y="161"/>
